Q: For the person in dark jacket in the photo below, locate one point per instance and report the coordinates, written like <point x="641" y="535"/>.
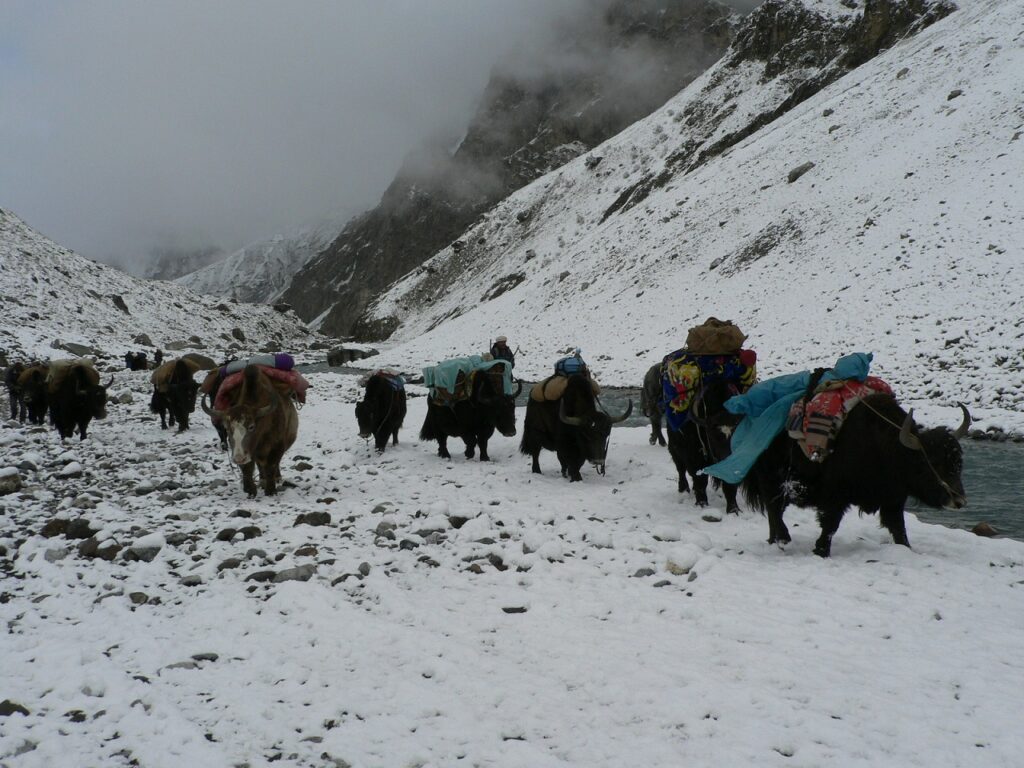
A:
<point x="500" y="350"/>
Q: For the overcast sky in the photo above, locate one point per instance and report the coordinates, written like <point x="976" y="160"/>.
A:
<point x="125" y="125"/>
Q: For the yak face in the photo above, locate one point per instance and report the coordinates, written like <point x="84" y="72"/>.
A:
<point x="242" y="423"/>
<point x="592" y="432"/>
<point x="366" y="417"/>
<point x="936" y="481"/>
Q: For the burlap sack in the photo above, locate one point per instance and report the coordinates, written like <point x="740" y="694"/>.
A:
<point x="162" y="375"/>
<point x="59" y="370"/>
<point x="715" y="337"/>
<point x="553" y="387"/>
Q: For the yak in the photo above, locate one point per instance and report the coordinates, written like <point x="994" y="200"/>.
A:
<point x="14" y="391"/>
<point x="880" y="458"/>
<point x="33" y="392"/>
<point x="174" y="393"/>
<point x="75" y="397"/>
<point x="650" y="403"/>
<point x="573" y="426"/>
<point x="381" y="411"/>
<point x="474" y="419"/>
<point x="703" y="440"/>
<point x="261" y="424"/>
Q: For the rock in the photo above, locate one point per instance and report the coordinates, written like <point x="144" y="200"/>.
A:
<point x="457" y="521"/>
<point x="8" y="708"/>
<point x="119" y="303"/>
<point x="984" y="529"/>
<point x="79" y="528"/>
<point x="250" y="532"/>
<point x="189" y="664"/>
<point x="238" y="334"/>
<point x="663" y="583"/>
<point x="954" y="94"/>
<point x="70" y="471"/>
<point x="205" y="656"/>
<point x="253" y="553"/>
<point x="682" y="559"/>
<point x="711" y="518"/>
<point x="799" y="171"/>
<point x="231" y="562"/>
<point x="107" y="549"/>
<point x="667" y="533"/>
<point x="78" y="349"/>
<point x="143" y="339"/>
<point x="298" y="573"/>
<point x="384" y="528"/>
<point x="407" y="544"/>
<point x="314" y="518"/>
<point x="138" y="598"/>
<point x="642" y="572"/>
<point x="364" y="569"/>
<point x="227" y="534"/>
<point x="54" y="527"/>
<point x="342" y="355"/>
<point x="27" y="465"/>
<point x="282" y="306"/>
<point x="515" y="609"/>
<point x="261" y="576"/>
<point x="307" y="551"/>
<point x="192" y="581"/>
<point x="53" y="555"/>
<point x="302" y="466"/>
<point x="143" y="488"/>
<point x="145" y="548"/>
<point x="10" y="480"/>
<point x="592" y="162"/>
<point x="125" y="398"/>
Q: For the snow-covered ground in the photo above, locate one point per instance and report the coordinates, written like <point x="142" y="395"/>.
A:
<point x="548" y="630"/>
<point x="904" y="239"/>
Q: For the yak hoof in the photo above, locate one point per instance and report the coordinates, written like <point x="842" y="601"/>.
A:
<point x="821" y="551"/>
<point x="652" y="440"/>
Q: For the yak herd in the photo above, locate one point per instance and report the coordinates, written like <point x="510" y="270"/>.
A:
<point x="880" y="457"/>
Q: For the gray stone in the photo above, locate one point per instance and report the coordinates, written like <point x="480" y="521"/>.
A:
<point x="238" y="334"/>
<point x="138" y="598"/>
<point x="8" y="708"/>
<point x="984" y="529"/>
<point x="299" y="573"/>
<point x="145" y="553"/>
<point x="192" y="581"/>
<point x="799" y="171"/>
<point x="231" y="562"/>
<point x="10" y="483"/>
<point x="53" y="555"/>
<point x="364" y="569"/>
<point x="641" y="572"/>
<point x="314" y="518"/>
<point x="143" y="339"/>
<point x="205" y="656"/>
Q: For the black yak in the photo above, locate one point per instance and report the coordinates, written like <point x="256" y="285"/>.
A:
<point x="475" y="418"/>
<point x="382" y="410"/>
<point x="879" y="460"/>
<point x="573" y="426"/>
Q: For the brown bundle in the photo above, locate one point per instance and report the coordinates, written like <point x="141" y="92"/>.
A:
<point x="715" y="337"/>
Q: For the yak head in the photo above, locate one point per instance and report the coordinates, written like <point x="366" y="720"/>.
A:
<point x="94" y="396"/>
<point x="241" y="423"/>
<point x="935" y="477"/>
<point x="707" y="411"/>
<point x="489" y="392"/>
<point x="373" y="409"/>
<point x="592" y="427"/>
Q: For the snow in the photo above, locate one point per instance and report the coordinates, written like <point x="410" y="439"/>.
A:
<point x="553" y="654"/>
<point x="49" y="294"/>
<point x="904" y="239"/>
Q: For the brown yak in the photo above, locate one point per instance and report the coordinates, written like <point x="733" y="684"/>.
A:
<point x="261" y="424"/>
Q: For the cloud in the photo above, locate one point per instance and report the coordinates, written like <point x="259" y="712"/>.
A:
<point x="188" y="123"/>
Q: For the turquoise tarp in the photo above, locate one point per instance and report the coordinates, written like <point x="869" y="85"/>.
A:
<point x="765" y="407"/>
<point x="444" y="374"/>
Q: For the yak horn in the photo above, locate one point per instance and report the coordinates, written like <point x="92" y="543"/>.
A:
<point x="961" y="431"/>
<point x="210" y="411"/>
<point x="107" y="385"/>
<point x="907" y="437"/>
<point x="623" y="417"/>
<point x="519" y="388"/>
<point x="572" y="421"/>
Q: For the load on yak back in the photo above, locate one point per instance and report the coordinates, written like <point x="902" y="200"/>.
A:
<point x="834" y="438"/>
<point x="470" y="398"/>
<point x="565" y="415"/>
<point x="695" y="382"/>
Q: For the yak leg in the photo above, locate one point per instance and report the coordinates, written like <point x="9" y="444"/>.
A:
<point x="891" y="516"/>
<point x="82" y="426"/>
<point x="470" y="446"/>
<point x="380" y="441"/>
<point x="248" y="483"/>
<point x="829" y="520"/>
<point x="571" y="466"/>
<point x="729" y="491"/>
<point x="14" y="404"/>
<point x="536" y="462"/>
<point x="442" y="447"/>
<point x="268" y="477"/>
<point x="676" y="451"/>
<point x="700" y="490"/>
<point x="482" y="442"/>
<point x="394" y="437"/>
<point x="163" y="418"/>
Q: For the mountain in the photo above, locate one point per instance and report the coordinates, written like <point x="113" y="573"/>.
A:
<point x="50" y="295"/>
<point x="538" y="112"/>
<point x="168" y="263"/>
<point x="259" y="272"/>
<point x="824" y="200"/>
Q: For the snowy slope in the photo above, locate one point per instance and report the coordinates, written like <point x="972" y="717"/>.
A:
<point x="261" y="271"/>
<point x="49" y="293"/>
<point x="547" y="631"/>
<point x="904" y="238"/>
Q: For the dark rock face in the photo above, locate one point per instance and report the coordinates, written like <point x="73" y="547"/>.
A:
<point x="535" y="116"/>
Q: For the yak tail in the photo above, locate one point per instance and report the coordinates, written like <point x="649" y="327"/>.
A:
<point x="427" y="431"/>
<point x="153" y="403"/>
